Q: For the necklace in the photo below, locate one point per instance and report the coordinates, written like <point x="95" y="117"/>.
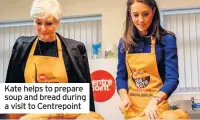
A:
<point x="53" y="49"/>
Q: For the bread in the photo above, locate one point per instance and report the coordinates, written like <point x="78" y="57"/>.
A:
<point x="15" y="116"/>
<point x="49" y="116"/>
<point x="138" y="118"/>
<point x="90" y="116"/>
<point x="174" y="114"/>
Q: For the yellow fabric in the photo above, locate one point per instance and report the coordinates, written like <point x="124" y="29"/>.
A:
<point x="143" y="81"/>
<point x="52" y="68"/>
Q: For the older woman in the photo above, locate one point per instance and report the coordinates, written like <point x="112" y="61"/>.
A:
<point x="48" y="57"/>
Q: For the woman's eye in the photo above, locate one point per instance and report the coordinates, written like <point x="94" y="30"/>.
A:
<point x="135" y="15"/>
<point x="49" y="23"/>
<point x="145" y="14"/>
<point x="39" y="23"/>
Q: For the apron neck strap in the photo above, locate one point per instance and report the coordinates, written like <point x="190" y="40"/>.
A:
<point x="59" y="47"/>
<point x="33" y="47"/>
<point x="153" y="42"/>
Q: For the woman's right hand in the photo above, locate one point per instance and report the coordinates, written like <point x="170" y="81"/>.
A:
<point x="125" y="101"/>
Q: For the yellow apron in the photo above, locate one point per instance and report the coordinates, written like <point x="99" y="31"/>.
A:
<point x="144" y="82"/>
<point x="45" y="69"/>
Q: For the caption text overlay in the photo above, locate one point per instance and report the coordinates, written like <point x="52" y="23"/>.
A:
<point x="44" y="98"/>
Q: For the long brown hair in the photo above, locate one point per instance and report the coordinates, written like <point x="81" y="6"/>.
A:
<point x="131" y="33"/>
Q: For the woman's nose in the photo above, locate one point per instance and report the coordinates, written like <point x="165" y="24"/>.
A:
<point x="43" y="27"/>
<point x="141" y="19"/>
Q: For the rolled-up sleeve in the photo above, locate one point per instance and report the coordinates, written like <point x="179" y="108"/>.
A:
<point x="171" y="65"/>
<point x="121" y="78"/>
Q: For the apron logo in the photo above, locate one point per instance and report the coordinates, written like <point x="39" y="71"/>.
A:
<point x="42" y="76"/>
<point x="141" y="82"/>
<point x="140" y="78"/>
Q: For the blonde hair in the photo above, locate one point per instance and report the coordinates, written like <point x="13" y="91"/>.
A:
<point x="44" y="8"/>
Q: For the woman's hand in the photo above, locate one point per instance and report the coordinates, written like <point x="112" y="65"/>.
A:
<point x="124" y="104"/>
<point x="125" y="101"/>
<point x="151" y="110"/>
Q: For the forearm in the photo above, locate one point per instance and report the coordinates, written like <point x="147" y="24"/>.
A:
<point x="123" y="93"/>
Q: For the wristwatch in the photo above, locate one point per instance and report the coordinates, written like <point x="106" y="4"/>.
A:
<point x="158" y="99"/>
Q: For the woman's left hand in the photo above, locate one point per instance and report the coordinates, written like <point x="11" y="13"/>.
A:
<point x="151" y="110"/>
